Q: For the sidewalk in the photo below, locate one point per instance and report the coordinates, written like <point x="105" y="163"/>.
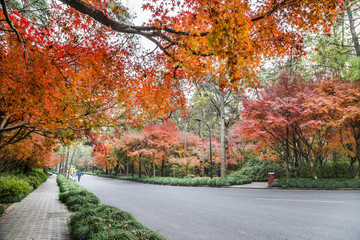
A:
<point x="253" y="185"/>
<point x="39" y="216"/>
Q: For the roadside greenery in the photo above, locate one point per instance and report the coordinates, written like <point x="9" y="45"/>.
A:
<point x="258" y="170"/>
<point x="103" y="222"/>
<point x="74" y="195"/>
<point x="14" y="186"/>
<point x="317" y="183"/>
<point x="100" y="222"/>
<point x="196" y="181"/>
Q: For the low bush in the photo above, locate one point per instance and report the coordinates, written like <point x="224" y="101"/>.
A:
<point x="196" y="181"/>
<point x="74" y="195"/>
<point x="97" y="222"/>
<point x="258" y="170"/>
<point x="108" y="222"/>
<point x="15" y="186"/>
<point x="12" y="185"/>
<point x="324" y="183"/>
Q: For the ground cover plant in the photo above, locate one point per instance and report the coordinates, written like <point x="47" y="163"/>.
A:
<point x="198" y="181"/>
<point x="100" y="222"/>
<point x="15" y="186"/>
<point x="323" y="183"/>
<point x="74" y="195"/>
<point x="108" y="222"/>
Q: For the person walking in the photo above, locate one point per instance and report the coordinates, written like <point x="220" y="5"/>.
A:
<point x="79" y="175"/>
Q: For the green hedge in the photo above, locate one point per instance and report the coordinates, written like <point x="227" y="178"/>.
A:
<point x="198" y="181"/>
<point x="14" y="186"/>
<point x="317" y="183"/>
<point x="99" y="222"/>
<point x="108" y="222"/>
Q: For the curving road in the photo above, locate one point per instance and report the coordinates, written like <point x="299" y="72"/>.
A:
<point x="187" y="213"/>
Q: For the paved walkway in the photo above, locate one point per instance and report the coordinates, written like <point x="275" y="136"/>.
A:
<point x="253" y="185"/>
<point x="39" y="216"/>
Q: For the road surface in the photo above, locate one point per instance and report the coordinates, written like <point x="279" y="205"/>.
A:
<point x="186" y="213"/>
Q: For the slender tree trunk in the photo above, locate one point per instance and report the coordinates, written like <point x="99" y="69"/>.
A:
<point x="222" y="134"/>
<point x="154" y="166"/>
<point x="132" y="170"/>
<point x="66" y="164"/>
<point x="139" y="166"/>
<point x="287" y="153"/>
<point x="202" y="144"/>
<point x="72" y="157"/>
<point x="354" y="36"/>
<point x="127" y="166"/>
<point x="185" y="128"/>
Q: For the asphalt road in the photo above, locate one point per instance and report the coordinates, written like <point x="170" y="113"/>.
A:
<point x="188" y="213"/>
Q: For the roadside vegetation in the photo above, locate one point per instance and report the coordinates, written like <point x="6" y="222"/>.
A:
<point x="189" y="181"/>
<point x="93" y="220"/>
<point x="15" y="186"/>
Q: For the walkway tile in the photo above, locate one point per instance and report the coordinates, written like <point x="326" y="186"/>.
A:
<point x="39" y="216"/>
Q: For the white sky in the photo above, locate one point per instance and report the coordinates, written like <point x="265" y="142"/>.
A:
<point x="141" y="17"/>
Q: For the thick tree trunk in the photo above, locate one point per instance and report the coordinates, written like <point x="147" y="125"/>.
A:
<point x="222" y="134"/>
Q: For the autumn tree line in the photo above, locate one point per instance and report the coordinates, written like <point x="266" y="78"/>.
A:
<point x="75" y="72"/>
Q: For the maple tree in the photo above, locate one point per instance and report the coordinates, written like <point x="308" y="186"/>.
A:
<point x="340" y="107"/>
<point x="77" y="70"/>
<point x="285" y="120"/>
<point x="33" y="152"/>
<point x="221" y="37"/>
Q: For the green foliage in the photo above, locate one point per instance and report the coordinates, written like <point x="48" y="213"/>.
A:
<point x="2" y="209"/>
<point x="107" y="222"/>
<point x="196" y="181"/>
<point x="317" y="183"/>
<point x="352" y="70"/>
<point x="258" y="170"/>
<point x="35" y="178"/>
<point x="14" y="187"/>
<point x="11" y="185"/>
